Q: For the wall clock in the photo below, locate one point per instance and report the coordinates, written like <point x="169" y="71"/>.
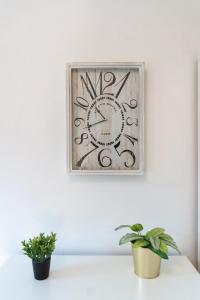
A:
<point x="105" y="118"/>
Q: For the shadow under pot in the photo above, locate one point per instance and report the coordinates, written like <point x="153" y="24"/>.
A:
<point x="41" y="269"/>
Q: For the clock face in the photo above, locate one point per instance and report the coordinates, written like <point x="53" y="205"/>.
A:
<point x="103" y="110"/>
<point x="106" y="121"/>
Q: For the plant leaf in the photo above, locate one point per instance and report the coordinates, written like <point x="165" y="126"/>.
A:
<point x="172" y="245"/>
<point x="155" y="242"/>
<point x="163" y="247"/>
<point x="40" y="247"/>
<point x="155" y="232"/>
<point x="123" y="226"/>
<point x="140" y="243"/>
<point x="166" y="237"/>
<point x="129" y="237"/>
<point x="136" y="227"/>
<point x="158" y="252"/>
<point x="169" y="241"/>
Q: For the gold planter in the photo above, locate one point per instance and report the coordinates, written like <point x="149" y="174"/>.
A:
<point x="146" y="263"/>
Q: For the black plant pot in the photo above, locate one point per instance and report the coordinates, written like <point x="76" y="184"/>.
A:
<point x="41" y="269"/>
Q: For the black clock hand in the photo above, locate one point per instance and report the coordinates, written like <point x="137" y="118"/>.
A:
<point x="90" y="125"/>
<point x="100" y="112"/>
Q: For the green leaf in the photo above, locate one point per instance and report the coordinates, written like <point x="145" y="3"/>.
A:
<point x="163" y="247"/>
<point x="169" y="241"/>
<point x="40" y="247"/>
<point x="129" y="237"/>
<point x="140" y="243"/>
<point x="123" y="226"/>
<point x="137" y="227"/>
<point x="172" y="245"/>
<point x="155" y="242"/>
<point x="158" y="252"/>
<point x="166" y="237"/>
<point x="155" y="232"/>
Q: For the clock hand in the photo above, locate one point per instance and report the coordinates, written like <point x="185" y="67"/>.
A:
<point x="100" y="113"/>
<point x="90" y="125"/>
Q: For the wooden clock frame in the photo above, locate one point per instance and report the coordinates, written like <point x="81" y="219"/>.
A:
<point x="70" y="139"/>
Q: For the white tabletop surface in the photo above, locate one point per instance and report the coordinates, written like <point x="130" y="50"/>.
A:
<point x="98" y="277"/>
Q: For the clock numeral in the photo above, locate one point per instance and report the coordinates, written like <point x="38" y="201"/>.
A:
<point x="79" y="140"/>
<point x="130" y="121"/>
<point x="78" y="121"/>
<point x="100" y="84"/>
<point x="125" y="151"/>
<point x="79" y="163"/>
<point x="131" y="139"/>
<point x="104" y="161"/>
<point x="110" y="78"/>
<point x="81" y="102"/>
<point x="87" y="83"/>
<point x="131" y="105"/>
<point x="123" y="81"/>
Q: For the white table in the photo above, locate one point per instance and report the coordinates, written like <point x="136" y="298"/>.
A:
<point x="98" y="278"/>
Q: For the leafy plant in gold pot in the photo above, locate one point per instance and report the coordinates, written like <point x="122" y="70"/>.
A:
<point x="39" y="249"/>
<point x="148" y="248"/>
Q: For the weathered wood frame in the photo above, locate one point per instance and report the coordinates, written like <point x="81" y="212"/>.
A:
<point x="70" y="67"/>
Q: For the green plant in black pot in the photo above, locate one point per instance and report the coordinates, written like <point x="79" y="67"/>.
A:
<point x="39" y="249"/>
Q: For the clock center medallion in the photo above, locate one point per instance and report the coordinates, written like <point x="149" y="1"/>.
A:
<point x="105" y="120"/>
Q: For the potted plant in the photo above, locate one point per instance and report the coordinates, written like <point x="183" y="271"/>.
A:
<point x="148" y="249"/>
<point x="39" y="249"/>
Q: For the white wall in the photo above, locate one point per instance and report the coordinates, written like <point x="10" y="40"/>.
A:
<point x="37" y="38"/>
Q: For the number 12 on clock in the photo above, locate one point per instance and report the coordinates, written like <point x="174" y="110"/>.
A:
<point x="105" y="111"/>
